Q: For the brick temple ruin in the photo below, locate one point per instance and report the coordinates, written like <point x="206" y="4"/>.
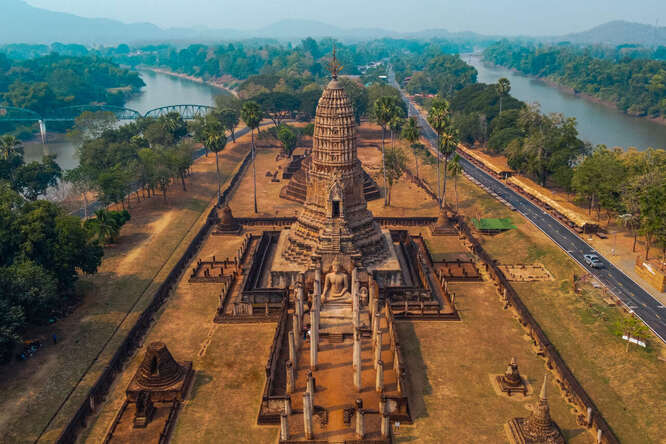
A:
<point x="336" y="281"/>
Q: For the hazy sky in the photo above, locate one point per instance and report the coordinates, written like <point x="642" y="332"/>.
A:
<point x="534" y="17"/>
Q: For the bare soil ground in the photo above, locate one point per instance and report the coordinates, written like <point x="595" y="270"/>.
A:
<point x="628" y="387"/>
<point x="228" y="360"/>
<point x="59" y="375"/>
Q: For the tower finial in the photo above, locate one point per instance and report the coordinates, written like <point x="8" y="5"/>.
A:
<point x="542" y="395"/>
<point x="334" y="66"/>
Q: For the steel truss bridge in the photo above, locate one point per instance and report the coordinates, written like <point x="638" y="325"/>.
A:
<point x="70" y="113"/>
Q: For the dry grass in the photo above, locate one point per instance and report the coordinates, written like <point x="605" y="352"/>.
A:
<point x="450" y="364"/>
<point x="228" y="362"/>
<point x="629" y="388"/>
<point x="111" y="301"/>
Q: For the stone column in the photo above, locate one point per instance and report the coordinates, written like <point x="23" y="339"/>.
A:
<point x="386" y="426"/>
<point x="357" y="375"/>
<point x="378" y="349"/>
<point x="356" y="362"/>
<point x="588" y="418"/>
<point x="292" y="347"/>
<point x="314" y="322"/>
<point x="299" y="301"/>
<point x="287" y="405"/>
<point x="284" y="426"/>
<point x="360" y="423"/>
<point x="379" y="381"/>
<point x="375" y="327"/>
<point x="307" y="415"/>
<point x="599" y="436"/>
<point x="310" y="384"/>
<point x="296" y="324"/>
<point x="317" y="282"/>
<point x="290" y="377"/>
<point x="313" y="350"/>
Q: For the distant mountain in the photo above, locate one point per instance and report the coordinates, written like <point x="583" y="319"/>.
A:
<point x="619" y="33"/>
<point x="22" y="23"/>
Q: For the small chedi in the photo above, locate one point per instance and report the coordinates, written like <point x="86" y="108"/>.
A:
<point x="511" y="381"/>
<point x="227" y="223"/>
<point x="539" y="428"/>
<point x="152" y="397"/>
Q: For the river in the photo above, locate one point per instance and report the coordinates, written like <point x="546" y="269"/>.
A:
<point x="597" y="124"/>
<point x="160" y="90"/>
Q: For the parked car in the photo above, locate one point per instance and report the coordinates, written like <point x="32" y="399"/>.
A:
<point x="593" y="261"/>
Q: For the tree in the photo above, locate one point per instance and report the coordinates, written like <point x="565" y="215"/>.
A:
<point x="229" y="117"/>
<point x="395" y="125"/>
<point x="653" y="213"/>
<point x="82" y="182"/>
<point x="503" y="88"/>
<point x="34" y="178"/>
<point x="181" y="158"/>
<point x="10" y="146"/>
<point x="448" y="144"/>
<point x="384" y="109"/>
<point x="396" y="163"/>
<point x="455" y="168"/>
<point x="91" y="125"/>
<point x="439" y="118"/>
<point x="216" y="140"/>
<point x="278" y="105"/>
<point x="252" y="114"/>
<point x="12" y="320"/>
<point x="411" y="133"/>
<point x="106" y="224"/>
<point x="358" y="95"/>
<point x="288" y="137"/>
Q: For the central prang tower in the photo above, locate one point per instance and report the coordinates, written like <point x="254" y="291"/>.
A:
<point x="335" y="220"/>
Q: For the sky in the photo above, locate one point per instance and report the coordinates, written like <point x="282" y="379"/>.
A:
<point x="501" y="17"/>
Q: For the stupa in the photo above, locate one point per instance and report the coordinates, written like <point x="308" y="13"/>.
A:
<point x="335" y="220"/>
<point x="539" y="428"/>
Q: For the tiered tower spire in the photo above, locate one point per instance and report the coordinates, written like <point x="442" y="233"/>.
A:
<point x="335" y="219"/>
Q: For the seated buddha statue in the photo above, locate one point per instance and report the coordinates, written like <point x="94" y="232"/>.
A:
<point x="336" y="284"/>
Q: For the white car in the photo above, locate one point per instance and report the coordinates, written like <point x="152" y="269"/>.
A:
<point x="593" y="261"/>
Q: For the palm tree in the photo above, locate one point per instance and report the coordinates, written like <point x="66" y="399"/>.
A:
<point x="411" y="134"/>
<point x="395" y="125"/>
<point x="439" y="119"/>
<point x="10" y="145"/>
<point x="503" y="88"/>
<point x="252" y="114"/>
<point x="216" y="140"/>
<point x="448" y="144"/>
<point x="384" y="109"/>
<point x="455" y="168"/>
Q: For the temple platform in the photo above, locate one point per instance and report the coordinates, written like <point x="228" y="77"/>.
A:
<point x="284" y="272"/>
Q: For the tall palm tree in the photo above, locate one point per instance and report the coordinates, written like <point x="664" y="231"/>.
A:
<point x="455" y="168"/>
<point x="10" y="145"/>
<point x="448" y="144"/>
<point x="384" y="109"/>
<point x="252" y="114"/>
<point x="411" y="134"/>
<point x="216" y="140"/>
<point x="503" y="88"/>
<point x="439" y="118"/>
<point x="395" y="125"/>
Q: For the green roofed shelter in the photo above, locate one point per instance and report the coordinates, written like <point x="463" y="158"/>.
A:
<point x="493" y="225"/>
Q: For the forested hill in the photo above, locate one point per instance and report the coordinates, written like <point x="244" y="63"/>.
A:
<point x="54" y="81"/>
<point x="619" y="33"/>
<point x="636" y="85"/>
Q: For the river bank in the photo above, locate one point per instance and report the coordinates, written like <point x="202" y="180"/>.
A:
<point x="554" y="83"/>
<point x="216" y="82"/>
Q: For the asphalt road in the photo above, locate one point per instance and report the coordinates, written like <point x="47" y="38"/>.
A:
<point x="646" y="307"/>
